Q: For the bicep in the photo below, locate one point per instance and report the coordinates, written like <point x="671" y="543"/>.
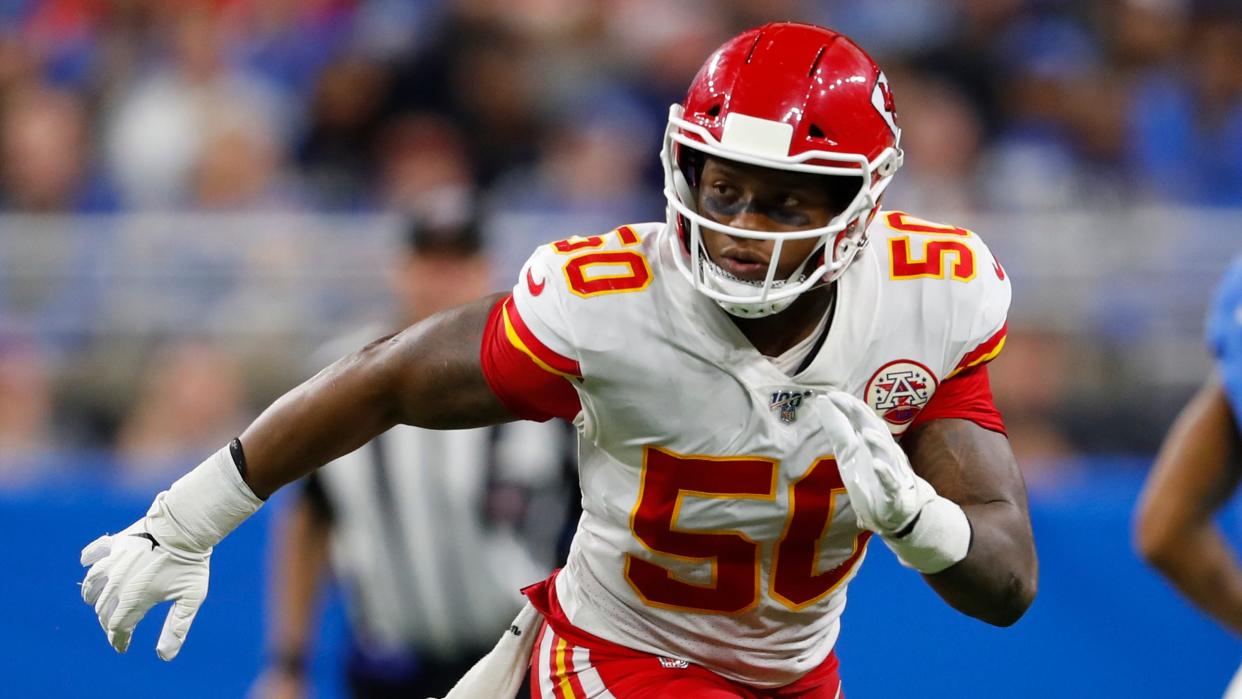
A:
<point x="966" y="463"/>
<point x="437" y="366"/>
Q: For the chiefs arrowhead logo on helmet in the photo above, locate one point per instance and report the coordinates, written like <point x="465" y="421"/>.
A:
<point x="882" y="99"/>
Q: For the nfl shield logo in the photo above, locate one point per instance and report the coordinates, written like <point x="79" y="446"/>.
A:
<point x="786" y="404"/>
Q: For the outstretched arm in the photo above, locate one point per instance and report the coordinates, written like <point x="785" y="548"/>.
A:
<point x="428" y="375"/>
<point x="975" y="468"/>
<point x="1195" y="473"/>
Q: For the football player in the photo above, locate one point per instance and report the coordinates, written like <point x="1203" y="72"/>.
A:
<point x="739" y="375"/>
<point x="1196" y="472"/>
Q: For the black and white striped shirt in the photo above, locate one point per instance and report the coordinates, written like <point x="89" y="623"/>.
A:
<point x="434" y="532"/>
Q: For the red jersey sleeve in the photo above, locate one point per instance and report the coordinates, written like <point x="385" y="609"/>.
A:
<point x="530" y="379"/>
<point x="966" y="395"/>
<point x="983" y="353"/>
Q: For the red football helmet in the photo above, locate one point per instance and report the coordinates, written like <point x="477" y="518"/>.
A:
<point x="792" y="97"/>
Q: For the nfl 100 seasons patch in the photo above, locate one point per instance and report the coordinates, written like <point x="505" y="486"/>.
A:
<point x="787" y="402"/>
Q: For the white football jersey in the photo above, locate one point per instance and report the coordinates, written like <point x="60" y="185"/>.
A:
<point x="716" y="528"/>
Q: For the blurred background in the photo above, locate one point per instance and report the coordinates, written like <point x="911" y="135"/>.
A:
<point x="195" y="195"/>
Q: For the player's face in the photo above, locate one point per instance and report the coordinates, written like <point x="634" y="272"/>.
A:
<point x="762" y="199"/>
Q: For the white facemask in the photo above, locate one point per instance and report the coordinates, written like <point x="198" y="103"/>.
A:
<point x="756" y="142"/>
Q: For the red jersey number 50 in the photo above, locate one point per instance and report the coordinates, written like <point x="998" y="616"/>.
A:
<point x="940" y="252"/>
<point x="605" y="272"/>
<point x="734" y="558"/>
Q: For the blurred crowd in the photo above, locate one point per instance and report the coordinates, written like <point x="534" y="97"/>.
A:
<point x="530" y="120"/>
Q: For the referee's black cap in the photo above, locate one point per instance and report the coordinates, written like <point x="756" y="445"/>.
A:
<point x="457" y="238"/>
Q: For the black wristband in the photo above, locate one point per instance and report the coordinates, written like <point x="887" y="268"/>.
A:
<point x="239" y="456"/>
<point x="239" y="460"/>
<point x="291" y="663"/>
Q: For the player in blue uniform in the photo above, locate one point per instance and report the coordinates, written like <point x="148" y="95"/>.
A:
<point x="1196" y="472"/>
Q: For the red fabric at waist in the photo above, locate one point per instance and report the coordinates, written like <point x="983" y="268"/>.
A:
<point x="542" y="596"/>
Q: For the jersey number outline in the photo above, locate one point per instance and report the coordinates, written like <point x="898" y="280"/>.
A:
<point x="944" y="242"/>
<point x="622" y="271"/>
<point x="795" y="579"/>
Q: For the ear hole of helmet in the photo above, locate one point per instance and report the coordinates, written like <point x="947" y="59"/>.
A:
<point x="685" y="181"/>
<point x="690" y="163"/>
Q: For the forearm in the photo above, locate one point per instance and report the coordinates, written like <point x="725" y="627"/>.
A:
<point x="428" y="375"/>
<point x="975" y="469"/>
<point x="333" y="413"/>
<point x="1195" y="472"/>
<point x="996" y="581"/>
<point x="1204" y="568"/>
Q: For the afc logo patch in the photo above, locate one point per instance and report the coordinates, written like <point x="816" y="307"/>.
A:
<point x="898" y="390"/>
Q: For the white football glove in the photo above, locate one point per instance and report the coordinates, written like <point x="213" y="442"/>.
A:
<point x="164" y="556"/>
<point x="926" y="531"/>
<point x="884" y="490"/>
<point x="133" y="571"/>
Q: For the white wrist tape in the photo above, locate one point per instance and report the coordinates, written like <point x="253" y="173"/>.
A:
<point x="940" y="538"/>
<point x="203" y="506"/>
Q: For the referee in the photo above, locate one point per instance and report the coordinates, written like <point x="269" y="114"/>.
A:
<point x="430" y="533"/>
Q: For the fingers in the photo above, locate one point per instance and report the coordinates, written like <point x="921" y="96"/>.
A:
<point x="892" y="467"/>
<point x="96" y="579"/>
<point x="854" y="464"/>
<point x="879" y="442"/>
<point x="836" y="423"/>
<point x="870" y="426"/>
<point x="120" y="639"/>
<point x="176" y="626"/>
<point x="94" y="582"/>
<point x="105" y="607"/>
<point x="110" y="594"/>
<point x="859" y="413"/>
<point x="97" y="550"/>
<point x="852" y="456"/>
<point x="840" y="428"/>
<point x="133" y="603"/>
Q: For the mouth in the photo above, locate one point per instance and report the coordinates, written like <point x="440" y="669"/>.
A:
<point x="744" y="264"/>
<point x="745" y="267"/>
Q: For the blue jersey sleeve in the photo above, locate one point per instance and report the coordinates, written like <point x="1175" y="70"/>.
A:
<point x="1224" y="334"/>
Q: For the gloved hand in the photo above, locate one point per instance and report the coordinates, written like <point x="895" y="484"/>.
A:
<point x="165" y="555"/>
<point x="926" y="531"/>
<point x="884" y="490"/>
<point x="136" y="569"/>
